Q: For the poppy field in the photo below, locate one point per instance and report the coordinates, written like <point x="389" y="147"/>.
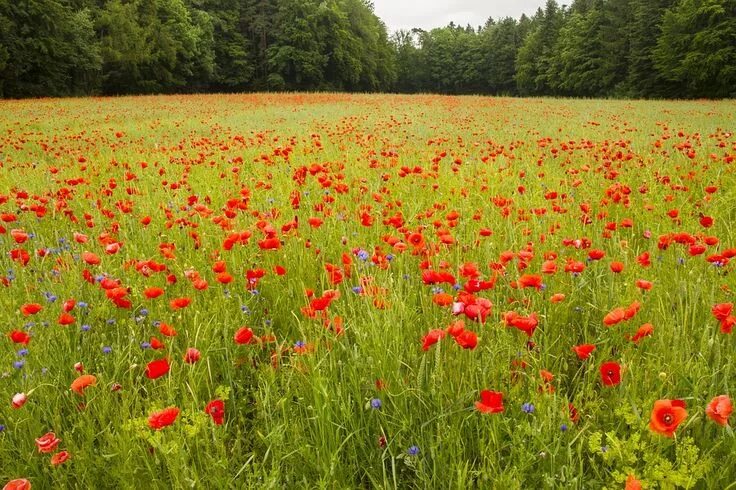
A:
<point x="367" y="291"/>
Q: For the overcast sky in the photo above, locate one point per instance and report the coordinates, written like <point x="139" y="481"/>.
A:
<point x="405" y="14"/>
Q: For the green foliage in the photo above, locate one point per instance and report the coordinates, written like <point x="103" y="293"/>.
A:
<point x="591" y="48"/>
<point x="697" y="47"/>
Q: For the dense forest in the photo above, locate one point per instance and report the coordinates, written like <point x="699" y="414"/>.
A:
<point x="593" y="48"/>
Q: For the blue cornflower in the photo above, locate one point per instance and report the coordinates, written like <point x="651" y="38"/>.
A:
<point x="357" y="289"/>
<point x="82" y="304"/>
<point x="22" y="352"/>
<point x="413" y="451"/>
<point x="145" y="345"/>
<point x="19" y="364"/>
<point x="363" y="255"/>
<point x="85" y="328"/>
<point x="299" y="344"/>
<point x="376" y="403"/>
<point x="143" y="312"/>
<point x="106" y="350"/>
<point x="2" y="427"/>
<point x="527" y="408"/>
<point x="563" y="428"/>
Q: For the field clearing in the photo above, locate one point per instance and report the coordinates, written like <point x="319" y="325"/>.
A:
<point x="352" y="272"/>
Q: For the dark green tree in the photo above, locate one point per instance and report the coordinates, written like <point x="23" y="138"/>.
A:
<point x="697" y="47"/>
<point x="46" y="49"/>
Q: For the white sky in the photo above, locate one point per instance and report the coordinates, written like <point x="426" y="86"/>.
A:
<point x="427" y="14"/>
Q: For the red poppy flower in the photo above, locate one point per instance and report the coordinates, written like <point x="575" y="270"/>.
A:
<point x="167" y="330"/>
<point x="82" y="382"/>
<point x="615" y="316"/>
<point x="66" y="319"/>
<point x="153" y="292"/>
<point x="722" y="311"/>
<point x="59" y="458"/>
<point x="432" y="338"/>
<point x="180" y="303"/>
<point x="490" y="402"/>
<point x="192" y="355"/>
<point x="644" y="331"/>
<point x="632" y="483"/>
<point x="467" y="340"/>
<point x="617" y="267"/>
<point x="163" y="418"/>
<point x="530" y="281"/>
<point x="90" y="258"/>
<point x="18" y="484"/>
<point x="719" y="409"/>
<point x="456" y="328"/>
<point x="216" y="410"/>
<point x="632" y="310"/>
<point x="47" y="443"/>
<point x="30" y="309"/>
<point x="610" y="373"/>
<point x="19" y="337"/>
<point x="583" y="351"/>
<point x="557" y="298"/>
<point x="666" y="416"/>
<point x="156" y="369"/>
<point x="244" y="336"/>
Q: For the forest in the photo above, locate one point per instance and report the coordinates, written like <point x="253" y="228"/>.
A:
<point x="591" y="48"/>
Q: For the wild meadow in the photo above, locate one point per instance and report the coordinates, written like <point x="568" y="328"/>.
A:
<point x="367" y="291"/>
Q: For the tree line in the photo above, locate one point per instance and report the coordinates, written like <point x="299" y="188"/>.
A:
<point x="593" y="48"/>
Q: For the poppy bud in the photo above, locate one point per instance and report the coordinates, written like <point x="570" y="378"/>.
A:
<point x="19" y="400"/>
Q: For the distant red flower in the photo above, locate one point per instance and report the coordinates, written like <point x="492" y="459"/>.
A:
<point x="153" y="292"/>
<point x="191" y="356"/>
<point x="78" y="385"/>
<point x="66" y="319"/>
<point x="180" y="303"/>
<point x="583" y="351"/>
<point x="490" y="402"/>
<point x="530" y="281"/>
<point x="167" y="330"/>
<point x="47" y="443"/>
<point x="156" y="369"/>
<point x="614" y="316"/>
<point x="30" y="309"/>
<point x="432" y="338"/>
<point x="18" y="484"/>
<point x="467" y="340"/>
<point x="19" y="337"/>
<point x="216" y="410"/>
<point x="719" y="409"/>
<point x="90" y="258"/>
<point x="632" y="483"/>
<point x="666" y="416"/>
<point x="644" y="331"/>
<point x="59" y="458"/>
<point x="722" y="311"/>
<point x="163" y="418"/>
<point x="611" y="373"/>
<point x="244" y="336"/>
<point x="617" y="267"/>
